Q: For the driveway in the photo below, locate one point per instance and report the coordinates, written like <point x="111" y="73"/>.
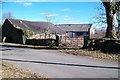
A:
<point x="54" y="64"/>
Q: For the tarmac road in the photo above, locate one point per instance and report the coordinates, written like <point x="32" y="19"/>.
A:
<point x="55" y="64"/>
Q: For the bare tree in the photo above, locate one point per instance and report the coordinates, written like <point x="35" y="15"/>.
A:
<point x="111" y="8"/>
<point x="49" y="18"/>
<point x="100" y="18"/>
<point x="7" y="15"/>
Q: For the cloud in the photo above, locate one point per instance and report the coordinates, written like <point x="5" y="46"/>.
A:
<point x="49" y="15"/>
<point x="66" y="16"/>
<point x="71" y="20"/>
<point x="67" y="19"/>
<point x="27" y="4"/>
<point x="66" y="9"/>
<point x="42" y="13"/>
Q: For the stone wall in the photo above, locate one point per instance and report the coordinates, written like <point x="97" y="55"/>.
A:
<point x="105" y="45"/>
<point x="41" y="42"/>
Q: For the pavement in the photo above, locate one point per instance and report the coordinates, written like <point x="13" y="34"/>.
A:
<point x="54" y="64"/>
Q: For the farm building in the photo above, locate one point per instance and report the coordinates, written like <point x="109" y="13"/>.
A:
<point x="44" y="33"/>
<point x="20" y="31"/>
<point x="74" y="34"/>
<point x="76" y="30"/>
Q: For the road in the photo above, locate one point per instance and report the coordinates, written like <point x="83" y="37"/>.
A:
<point x="54" y="64"/>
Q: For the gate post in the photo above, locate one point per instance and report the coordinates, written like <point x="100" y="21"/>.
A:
<point x="4" y="39"/>
<point x="57" y="40"/>
<point x="85" y="42"/>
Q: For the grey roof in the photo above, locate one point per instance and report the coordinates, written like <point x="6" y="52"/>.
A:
<point x="37" y="27"/>
<point x="74" y="27"/>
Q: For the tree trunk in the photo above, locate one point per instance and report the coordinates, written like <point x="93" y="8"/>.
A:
<point x="110" y="25"/>
<point x="45" y="35"/>
<point x="110" y="21"/>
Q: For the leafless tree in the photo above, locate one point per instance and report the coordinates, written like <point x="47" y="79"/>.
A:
<point x="7" y="15"/>
<point x="111" y="8"/>
<point x="49" y="18"/>
<point x="100" y="18"/>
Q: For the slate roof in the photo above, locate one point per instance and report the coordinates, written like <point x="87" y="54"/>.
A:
<point x="38" y="27"/>
<point x="74" y="27"/>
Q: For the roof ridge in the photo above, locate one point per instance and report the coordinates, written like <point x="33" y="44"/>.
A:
<point x="29" y="21"/>
<point x="74" y="24"/>
<point x="34" y="26"/>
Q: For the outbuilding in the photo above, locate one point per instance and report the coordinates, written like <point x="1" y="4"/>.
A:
<point x="18" y="31"/>
<point x="77" y="30"/>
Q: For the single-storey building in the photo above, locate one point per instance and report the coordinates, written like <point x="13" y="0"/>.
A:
<point x="31" y="32"/>
<point x="17" y="31"/>
<point x="76" y="30"/>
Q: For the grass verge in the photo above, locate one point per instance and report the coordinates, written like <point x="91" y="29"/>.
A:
<point x="95" y="54"/>
<point x="12" y="71"/>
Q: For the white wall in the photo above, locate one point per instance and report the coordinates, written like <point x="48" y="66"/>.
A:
<point x="92" y="30"/>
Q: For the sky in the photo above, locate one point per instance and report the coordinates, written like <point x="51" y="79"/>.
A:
<point x="57" y="12"/>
